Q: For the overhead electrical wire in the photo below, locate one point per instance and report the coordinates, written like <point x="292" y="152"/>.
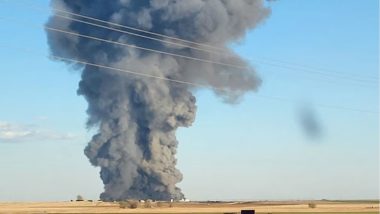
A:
<point x="143" y="48"/>
<point x="135" y="46"/>
<point x="308" y="67"/>
<point x="185" y="82"/>
<point x="139" y="35"/>
<point x="216" y="49"/>
<point x="157" y="51"/>
<point x="184" y="56"/>
<point x="174" y="80"/>
<point x="139" y="30"/>
<point x="339" y="74"/>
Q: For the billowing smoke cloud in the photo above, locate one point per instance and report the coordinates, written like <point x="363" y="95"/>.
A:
<point x="137" y="117"/>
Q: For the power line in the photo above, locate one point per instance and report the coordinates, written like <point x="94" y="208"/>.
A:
<point x="308" y="67"/>
<point x="158" y="51"/>
<point x="161" y="52"/>
<point x="339" y="74"/>
<point x="183" y="56"/>
<point x="187" y="82"/>
<point x="138" y="35"/>
<point x="165" y="41"/>
<point x="136" y="47"/>
<point x="131" y="28"/>
<point x="315" y="81"/>
<point x="148" y="49"/>
<point x="137" y="29"/>
<point x="145" y="31"/>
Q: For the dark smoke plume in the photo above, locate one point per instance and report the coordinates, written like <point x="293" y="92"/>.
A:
<point x="310" y="122"/>
<point x="137" y="117"/>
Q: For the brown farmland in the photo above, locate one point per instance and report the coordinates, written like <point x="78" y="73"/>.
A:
<point x="194" y="207"/>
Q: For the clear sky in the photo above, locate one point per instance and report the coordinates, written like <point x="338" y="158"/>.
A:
<point x="257" y="149"/>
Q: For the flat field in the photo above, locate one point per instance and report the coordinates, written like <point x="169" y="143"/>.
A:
<point x="299" y="207"/>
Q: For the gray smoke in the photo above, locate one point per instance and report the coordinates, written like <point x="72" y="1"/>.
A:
<point x="310" y="122"/>
<point x="136" y="116"/>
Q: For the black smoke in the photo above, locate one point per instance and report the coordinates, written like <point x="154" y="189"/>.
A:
<point x="136" y="116"/>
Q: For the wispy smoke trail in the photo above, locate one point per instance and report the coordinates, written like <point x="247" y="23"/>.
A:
<point x="137" y="117"/>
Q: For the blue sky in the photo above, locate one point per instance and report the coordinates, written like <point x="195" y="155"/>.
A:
<point x="256" y="149"/>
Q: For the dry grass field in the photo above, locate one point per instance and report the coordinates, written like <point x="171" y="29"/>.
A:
<point x="328" y="207"/>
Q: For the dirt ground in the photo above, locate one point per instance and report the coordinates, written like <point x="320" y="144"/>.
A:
<point x="193" y="207"/>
